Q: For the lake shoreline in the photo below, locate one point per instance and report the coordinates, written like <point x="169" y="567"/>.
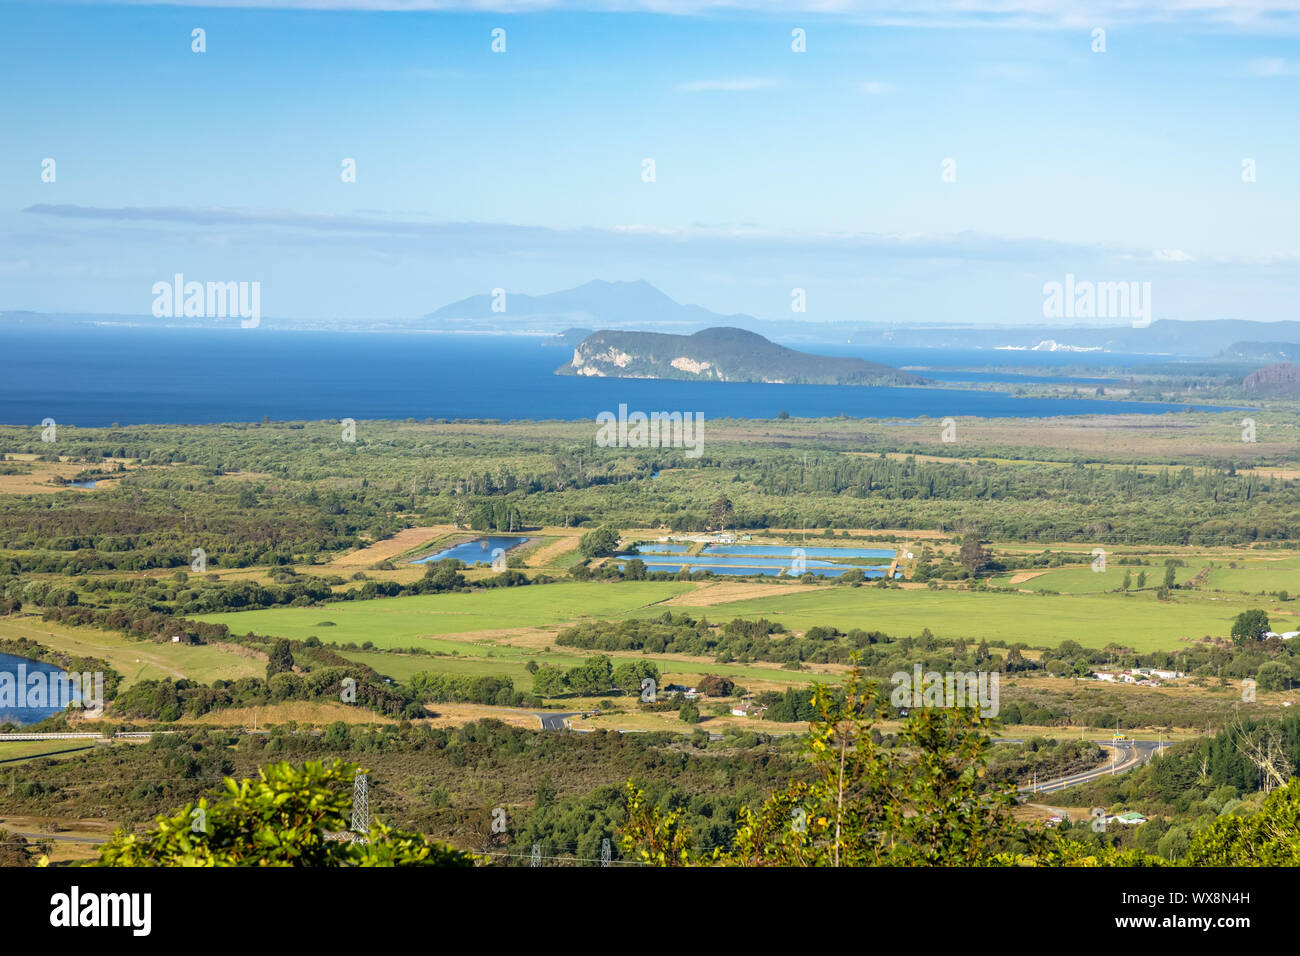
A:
<point x="161" y="379"/>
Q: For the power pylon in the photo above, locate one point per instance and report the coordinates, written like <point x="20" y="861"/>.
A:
<point x="361" y="804"/>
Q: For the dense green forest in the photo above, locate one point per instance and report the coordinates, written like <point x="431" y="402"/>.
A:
<point x="280" y="494"/>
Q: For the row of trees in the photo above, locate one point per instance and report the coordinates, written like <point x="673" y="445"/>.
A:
<point x="597" y="675"/>
<point x="470" y="688"/>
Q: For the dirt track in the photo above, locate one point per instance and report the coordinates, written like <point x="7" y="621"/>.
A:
<point x="390" y="547"/>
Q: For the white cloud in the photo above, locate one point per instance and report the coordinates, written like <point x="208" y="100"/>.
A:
<point x="876" y="88"/>
<point x="392" y="231"/>
<point x="153" y="223"/>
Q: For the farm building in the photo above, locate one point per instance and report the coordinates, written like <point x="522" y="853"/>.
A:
<point x="1129" y="819"/>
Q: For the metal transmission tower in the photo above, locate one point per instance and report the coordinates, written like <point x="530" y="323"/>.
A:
<point x="361" y="804"/>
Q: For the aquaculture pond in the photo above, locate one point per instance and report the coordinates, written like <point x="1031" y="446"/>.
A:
<point x="763" y="559"/>
<point x="477" y="551"/>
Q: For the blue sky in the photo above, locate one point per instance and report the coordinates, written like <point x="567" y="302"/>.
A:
<point x="774" y="170"/>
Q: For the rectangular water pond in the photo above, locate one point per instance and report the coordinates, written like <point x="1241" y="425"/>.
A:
<point x="777" y="550"/>
<point x="768" y="559"/>
<point x="820" y="568"/>
<point x="478" y="551"/>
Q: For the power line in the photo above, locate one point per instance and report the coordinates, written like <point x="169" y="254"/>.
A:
<point x="535" y="857"/>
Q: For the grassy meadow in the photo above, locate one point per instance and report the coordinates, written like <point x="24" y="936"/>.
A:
<point x="137" y="660"/>
<point x="1085" y="611"/>
<point x="404" y="622"/>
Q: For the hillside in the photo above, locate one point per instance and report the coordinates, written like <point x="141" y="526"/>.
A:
<point x="721" y="355"/>
<point x="1262" y="351"/>
<point x="1200" y="339"/>
<point x="591" y="305"/>
<point x="1280" y="381"/>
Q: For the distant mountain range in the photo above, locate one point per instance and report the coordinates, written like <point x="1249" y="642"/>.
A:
<point x="1201" y="339"/>
<point x="721" y="355"/>
<point x="1261" y="352"/>
<point x="592" y="305"/>
<point x="639" y="305"/>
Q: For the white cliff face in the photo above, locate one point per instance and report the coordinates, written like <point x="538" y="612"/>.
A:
<point x="690" y="365"/>
<point x="589" y="364"/>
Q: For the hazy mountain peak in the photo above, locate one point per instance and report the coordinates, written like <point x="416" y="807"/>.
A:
<point x="599" y="302"/>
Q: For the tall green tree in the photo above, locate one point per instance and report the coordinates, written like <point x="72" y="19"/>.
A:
<point x="599" y="543"/>
<point x="722" y="515"/>
<point x="973" y="555"/>
<point x="1250" y="625"/>
<point x="280" y="660"/>
<point x="919" y="802"/>
<point x="1270" y="837"/>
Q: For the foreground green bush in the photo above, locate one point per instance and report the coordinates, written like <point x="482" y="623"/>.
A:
<point x="920" y="803"/>
<point x="290" y="817"/>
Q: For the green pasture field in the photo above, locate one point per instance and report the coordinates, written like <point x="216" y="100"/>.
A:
<point x="135" y="660"/>
<point x="1093" y="620"/>
<point x="1087" y="581"/>
<point x="401" y="622"/>
<point x="1251" y="577"/>
<point x="1138" y="621"/>
<point x="567" y="560"/>
<point x="14" y="752"/>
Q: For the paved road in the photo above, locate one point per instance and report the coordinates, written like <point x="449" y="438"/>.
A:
<point x="555" y="721"/>
<point x="1132" y="753"/>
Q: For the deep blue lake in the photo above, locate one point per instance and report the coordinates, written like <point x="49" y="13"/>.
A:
<point x="98" y="376"/>
<point x="24" y="715"/>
